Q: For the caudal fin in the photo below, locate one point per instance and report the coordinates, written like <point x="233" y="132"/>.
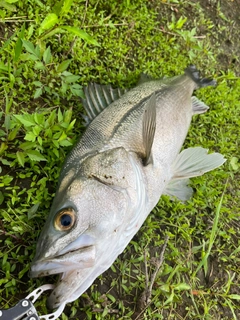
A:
<point x="194" y="74"/>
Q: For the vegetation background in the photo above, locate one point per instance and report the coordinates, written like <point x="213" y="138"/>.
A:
<point x="48" y="51"/>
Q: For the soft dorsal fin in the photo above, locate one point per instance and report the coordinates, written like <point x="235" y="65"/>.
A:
<point x="149" y="127"/>
<point x="198" y="106"/>
<point x="98" y="97"/>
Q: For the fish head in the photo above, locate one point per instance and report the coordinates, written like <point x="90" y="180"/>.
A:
<point x="88" y="210"/>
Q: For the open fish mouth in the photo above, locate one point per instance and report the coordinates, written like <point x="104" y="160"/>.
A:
<point x="77" y="259"/>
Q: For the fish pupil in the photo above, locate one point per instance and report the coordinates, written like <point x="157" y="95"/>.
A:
<point x="66" y="220"/>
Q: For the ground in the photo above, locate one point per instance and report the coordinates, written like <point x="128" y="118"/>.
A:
<point x="199" y="277"/>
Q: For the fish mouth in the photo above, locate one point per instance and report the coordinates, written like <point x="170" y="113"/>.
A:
<point x="64" y="262"/>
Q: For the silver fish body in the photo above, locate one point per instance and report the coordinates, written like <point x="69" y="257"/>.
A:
<point x="115" y="175"/>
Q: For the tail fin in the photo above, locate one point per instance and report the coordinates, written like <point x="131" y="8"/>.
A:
<point x="194" y="74"/>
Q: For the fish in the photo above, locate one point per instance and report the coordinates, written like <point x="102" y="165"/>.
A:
<point x="129" y="155"/>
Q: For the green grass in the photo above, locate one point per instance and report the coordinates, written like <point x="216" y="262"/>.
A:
<point x="48" y="53"/>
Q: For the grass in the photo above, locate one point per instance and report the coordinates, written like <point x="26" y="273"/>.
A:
<point x="48" y="53"/>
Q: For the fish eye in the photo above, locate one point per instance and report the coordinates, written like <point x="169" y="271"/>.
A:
<point x="65" y="219"/>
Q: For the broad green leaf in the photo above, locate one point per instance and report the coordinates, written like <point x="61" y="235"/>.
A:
<point x="22" y="272"/>
<point x="170" y="298"/>
<point x="30" y="48"/>
<point x="50" y="21"/>
<point x="60" y="115"/>
<point x="64" y="87"/>
<point x="66" y="6"/>
<point x="105" y="312"/>
<point x="39" y="65"/>
<point x="40" y="141"/>
<point x="182" y="286"/>
<point x="18" y="47"/>
<point x="35" y="155"/>
<point x="234" y="163"/>
<point x="48" y="133"/>
<point x="26" y="145"/>
<point x="234" y="296"/>
<point x="62" y="137"/>
<point x="56" y="152"/>
<point x="57" y="7"/>
<point x="11" y="1"/>
<point x="37" y="130"/>
<point x="38" y="93"/>
<point x="3" y="67"/>
<point x="3" y="147"/>
<point x="26" y="119"/>
<point x="51" y="33"/>
<point x="71" y="78"/>
<point x="7" y="122"/>
<point x="47" y="55"/>
<point x="57" y="135"/>
<point x="1" y="197"/>
<point x="8" y="103"/>
<point x="5" y="4"/>
<point x="4" y="161"/>
<point x="55" y="143"/>
<point x="65" y="143"/>
<point x="37" y="83"/>
<point x="32" y="211"/>
<point x="51" y="118"/>
<point x="71" y="125"/>
<point x="111" y="297"/>
<point x="12" y="134"/>
<point x="63" y="65"/>
<point x="21" y="158"/>
<point x="39" y="118"/>
<point x="180" y="22"/>
<point x="76" y="89"/>
<point x="28" y="56"/>
<point x="81" y="34"/>
<point x="30" y="136"/>
<point x="68" y="116"/>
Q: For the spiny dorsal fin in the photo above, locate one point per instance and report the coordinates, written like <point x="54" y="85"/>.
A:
<point x="198" y="106"/>
<point x="98" y="97"/>
<point x="149" y="127"/>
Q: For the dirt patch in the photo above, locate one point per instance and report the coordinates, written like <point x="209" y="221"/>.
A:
<point x="225" y="33"/>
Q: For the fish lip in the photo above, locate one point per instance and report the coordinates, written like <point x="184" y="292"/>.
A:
<point x="79" y="258"/>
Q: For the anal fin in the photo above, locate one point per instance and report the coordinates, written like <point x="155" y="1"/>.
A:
<point x="198" y="106"/>
<point x="179" y="188"/>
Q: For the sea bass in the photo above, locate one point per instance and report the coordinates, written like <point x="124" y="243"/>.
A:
<point x="127" y="158"/>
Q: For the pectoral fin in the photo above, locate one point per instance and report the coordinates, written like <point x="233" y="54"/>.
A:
<point x="149" y="127"/>
<point x="191" y="162"/>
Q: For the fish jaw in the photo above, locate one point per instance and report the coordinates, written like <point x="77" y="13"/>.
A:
<point x="76" y="255"/>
